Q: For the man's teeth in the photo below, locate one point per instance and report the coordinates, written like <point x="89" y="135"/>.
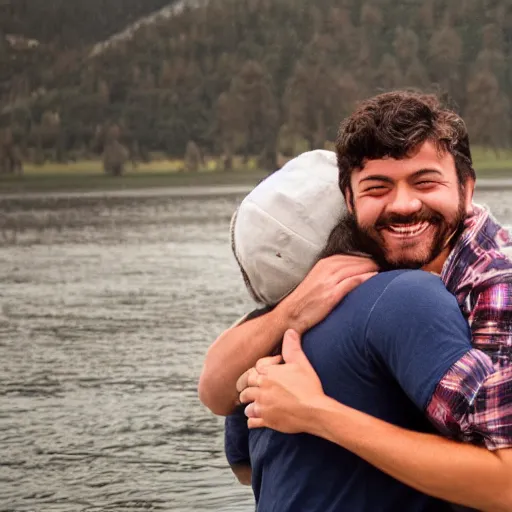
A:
<point x="408" y="229"/>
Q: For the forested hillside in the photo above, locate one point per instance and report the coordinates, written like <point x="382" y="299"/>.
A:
<point x="246" y="76"/>
<point x="72" y="22"/>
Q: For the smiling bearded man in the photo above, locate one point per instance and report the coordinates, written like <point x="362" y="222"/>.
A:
<point x="408" y="195"/>
<point x="416" y="233"/>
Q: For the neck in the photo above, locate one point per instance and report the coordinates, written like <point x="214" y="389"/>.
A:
<point x="436" y="265"/>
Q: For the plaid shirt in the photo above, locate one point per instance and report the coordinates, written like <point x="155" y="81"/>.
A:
<point x="473" y="401"/>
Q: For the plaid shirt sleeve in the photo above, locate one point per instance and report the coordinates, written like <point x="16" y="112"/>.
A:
<point x="473" y="401"/>
<point x="491" y="324"/>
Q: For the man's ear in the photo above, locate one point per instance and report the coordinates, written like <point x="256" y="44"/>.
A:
<point x="469" y="189"/>
<point x="349" y="200"/>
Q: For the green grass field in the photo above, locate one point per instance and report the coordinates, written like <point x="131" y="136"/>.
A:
<point x="487" y="162"/>
<point x="89" y="175"/>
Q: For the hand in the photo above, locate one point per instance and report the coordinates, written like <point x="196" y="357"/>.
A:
<point x="328" y="282"/>
<point x="281" y="394"/>
<point x="251" y="375"/>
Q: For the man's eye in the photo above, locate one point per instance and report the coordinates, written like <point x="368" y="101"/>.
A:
<point x="426" y="183"/>
<point x="377" y="188"/>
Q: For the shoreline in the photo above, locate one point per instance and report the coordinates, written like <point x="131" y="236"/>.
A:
<point x="189" y="191"/>
<point x="73" y="184"/>
<point x="178" y="191"/>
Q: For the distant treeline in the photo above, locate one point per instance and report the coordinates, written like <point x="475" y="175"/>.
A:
<point x="257" y="77"/>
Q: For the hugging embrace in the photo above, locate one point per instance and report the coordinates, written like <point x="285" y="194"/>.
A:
<point x="375" y="374"/>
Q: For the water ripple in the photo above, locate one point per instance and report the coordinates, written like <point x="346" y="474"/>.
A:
<point x="106" y="310"/>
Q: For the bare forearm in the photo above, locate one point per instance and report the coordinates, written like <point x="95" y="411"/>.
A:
<point x="459" y="473"/>
<point x="233" y="352"/>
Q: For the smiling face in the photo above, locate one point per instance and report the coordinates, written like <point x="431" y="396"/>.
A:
<point x="407" y="211"/>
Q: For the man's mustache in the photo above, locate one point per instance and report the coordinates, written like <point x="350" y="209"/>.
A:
<point x="395" y="218"/>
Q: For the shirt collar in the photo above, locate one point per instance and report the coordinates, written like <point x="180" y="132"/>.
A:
<point x="472" y="225"/>
<point x="480" y="240"/>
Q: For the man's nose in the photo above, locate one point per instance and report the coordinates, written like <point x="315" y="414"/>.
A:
<point x="404" y="202"/>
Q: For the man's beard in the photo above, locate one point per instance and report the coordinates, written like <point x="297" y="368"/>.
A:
<point x="370" y="240"/>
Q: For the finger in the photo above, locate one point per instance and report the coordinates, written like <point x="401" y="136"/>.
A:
<point x="360" y="279"/>
<point x="255" y="423"/>
<point x="335" y="258"/>
<point x="243" y="380"/>
<point x="241" y="383"/>
<point x="267" y="361"/>
<point x="255" y="378"/>
<point x="292" y="349"/>
<point x="253" y="410"/>
<point x="333" y="263"/>
<point x="349" y="284"/>
<point x="345" y="271"/>
<point x="249" y="395"/>
<point x="342" y="260"/>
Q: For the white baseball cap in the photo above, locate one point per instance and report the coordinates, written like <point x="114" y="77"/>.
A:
<point x="281" y="227"/>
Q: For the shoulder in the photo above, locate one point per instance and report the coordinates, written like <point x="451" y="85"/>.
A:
<point x="397" y="289"/>
<point x="414" y="296"/>
<point x="403" y="285"/>
<point x="398" y="297"/>
<point x="416" y="327"/>
<point x="404" y="278"/>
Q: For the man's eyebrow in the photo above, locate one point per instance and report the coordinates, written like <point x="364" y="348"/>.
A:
<point x="387" y="179"/>
<point x="377" y="177"/>
<point x="421" y="172"/>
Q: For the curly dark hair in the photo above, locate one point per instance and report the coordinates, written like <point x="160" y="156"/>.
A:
<point x="393" y="124"/>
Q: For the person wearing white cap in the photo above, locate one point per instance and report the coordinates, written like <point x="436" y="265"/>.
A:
<point x="281" y="228"/>
<point x="277" y="235"/>
<point x="290" y="397"/>
<point x="276" y="243"/>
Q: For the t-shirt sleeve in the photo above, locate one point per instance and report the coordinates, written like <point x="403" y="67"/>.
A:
<point x="236" y="438"/>
<point x="472" y="402"/>
<point x="417" y="332"/>
<point x="491" y="323"/>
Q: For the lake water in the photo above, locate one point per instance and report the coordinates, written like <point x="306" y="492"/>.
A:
<point x="107" y="306"/>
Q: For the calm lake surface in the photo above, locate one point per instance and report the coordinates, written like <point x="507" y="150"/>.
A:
<point x="107" y="306"/>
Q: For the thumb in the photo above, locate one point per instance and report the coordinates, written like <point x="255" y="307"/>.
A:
<point x="292" y="349"/>
<point x="344" y="287"/>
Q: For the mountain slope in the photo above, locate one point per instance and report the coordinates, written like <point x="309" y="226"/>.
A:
<point x="72" y="23"/>
<point x="250" y="76"/>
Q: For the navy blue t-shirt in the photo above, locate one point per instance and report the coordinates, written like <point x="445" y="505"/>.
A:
<point x="382" y="351"/>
